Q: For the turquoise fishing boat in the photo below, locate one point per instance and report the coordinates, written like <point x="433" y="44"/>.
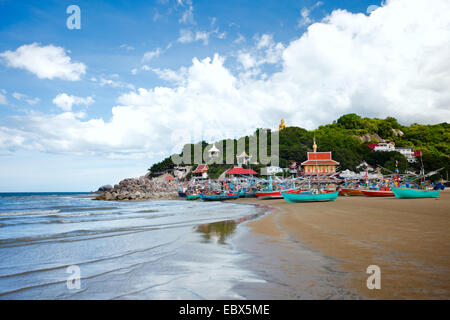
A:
<point x="308" y="196"/>
<point x="192" y="196"/>
<point x="405" y="193"/>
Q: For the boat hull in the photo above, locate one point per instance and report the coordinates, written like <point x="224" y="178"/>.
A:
<point x="350" y="192"/>
<point x="182" y="194"/>
<point x="192" y="196"/>
<point x="208" y="197"/>
<point x="377" y="193"/>
<point x="308" y="197"/>
<point x="404" y="193"/>
<point x="269" y="195"/>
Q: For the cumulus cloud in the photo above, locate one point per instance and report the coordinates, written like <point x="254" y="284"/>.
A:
<point x="46" y="62"/>
<point x="65" y="101"/>
<point x="265" y="51"/>
<point x="393" y="62"/>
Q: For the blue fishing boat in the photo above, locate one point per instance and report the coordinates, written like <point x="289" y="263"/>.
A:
<point x="308" y="196"/>
<point x="218" y="197"/>
<point x="182" y="194"/>
<point x="406" y="193"/>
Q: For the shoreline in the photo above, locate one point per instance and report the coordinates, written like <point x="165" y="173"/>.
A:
<point x="407" y="239"/>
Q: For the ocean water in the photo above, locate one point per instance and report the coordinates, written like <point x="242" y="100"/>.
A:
<point x="122" y="250"/>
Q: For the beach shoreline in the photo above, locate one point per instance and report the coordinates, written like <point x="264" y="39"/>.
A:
<point x="335" y="242"/>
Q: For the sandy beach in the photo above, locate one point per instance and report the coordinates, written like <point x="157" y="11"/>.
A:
<point x="408" y="239"/>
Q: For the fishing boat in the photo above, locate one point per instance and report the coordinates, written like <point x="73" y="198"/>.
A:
<point x="308" y="196"/>
<point x="181" y="193"/>
<point x="268" y="194"/>
<point x="384" y="192"/>
<point x="406" y="193"/>
<point x="218" y="197"/>
<point x="192" y="196"/>
<point x="350" y="192"/>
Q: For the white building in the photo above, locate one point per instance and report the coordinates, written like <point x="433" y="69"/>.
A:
<point x="243" y="158"/>
<point x="407" y="152"/>
<point x="271" y="170"/>
<point x="213" y="152"/>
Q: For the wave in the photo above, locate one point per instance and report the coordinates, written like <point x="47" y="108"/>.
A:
<point x="86" y="209"/>
<point x="28" y="213"/>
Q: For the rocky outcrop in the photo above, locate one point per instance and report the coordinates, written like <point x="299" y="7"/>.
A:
<point x="397" y="133"/>
<point x="106" y="187"/>
<point x="370" y="137"/>
<point x="142" y="188"/>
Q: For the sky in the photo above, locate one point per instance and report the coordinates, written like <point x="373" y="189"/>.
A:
<point x="88" y="106"/>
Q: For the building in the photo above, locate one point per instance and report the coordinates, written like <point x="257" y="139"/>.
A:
<point x="213" y="152"/>
<point x="408" y="152"/>
<point x="240" y="171"/>
<point x="319" y="162"/>
<point x="243" y="158"/>
<point x="271" y="170"/>
<point x="201" y="172"/>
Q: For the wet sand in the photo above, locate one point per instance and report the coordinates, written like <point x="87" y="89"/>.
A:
<point x="322" y="249"/>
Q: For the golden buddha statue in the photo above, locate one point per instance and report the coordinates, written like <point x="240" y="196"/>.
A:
<point x="282" y="125"/>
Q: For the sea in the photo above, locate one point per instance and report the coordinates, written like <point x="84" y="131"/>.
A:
<point x="68" y="246"/>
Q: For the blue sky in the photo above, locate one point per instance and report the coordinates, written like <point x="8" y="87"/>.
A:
<point x="138" y="71"/>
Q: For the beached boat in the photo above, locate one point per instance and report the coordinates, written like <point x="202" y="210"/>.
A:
<point x="350" y="192"/>
<point x="219" y="197"/>
<point x="192" y="196"/>
<point x="182" y="194"/>
<point x="308" y="196"/>
<point x="378" y="193"/>
<point x="406" y="193"/>
<point x="268" y="194"/>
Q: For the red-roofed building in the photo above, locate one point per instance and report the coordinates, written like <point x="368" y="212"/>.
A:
<point x="201" y="171"/>
<point x="319" y="162"/>
<point x="169" y="178"/>
<point x="242" y="171"/>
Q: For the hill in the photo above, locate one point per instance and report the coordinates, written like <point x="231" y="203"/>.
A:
<point x="348" y="138"/>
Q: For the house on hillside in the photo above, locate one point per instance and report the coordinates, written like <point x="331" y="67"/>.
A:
<point x="201" y="172"/>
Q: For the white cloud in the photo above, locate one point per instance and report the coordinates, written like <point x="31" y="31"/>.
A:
<point x="239" y="39"/>
<point x="65" y="101"/>
<point x="305" y="15"/>
<point x="186" y="36"/>
<point x="188" y="15"/>
<point x="24" y="97"/>
<point x="127" y="47"/>
<point x="179" y="76"/>
<point x="103" y="81"/>
<point x="33" y="101"/>
<point x="3" y="99"/>
<point x="46" y="62"/>
<point x="18" y="96"/>
<point x="151" y="54"/>
<point x="266" y="51"/>
<point x="394" y="62"/>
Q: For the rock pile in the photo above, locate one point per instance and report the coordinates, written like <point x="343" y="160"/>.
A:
<point x="141" y="188"/>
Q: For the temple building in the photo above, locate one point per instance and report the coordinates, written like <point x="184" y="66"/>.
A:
<point x="201" y="172"/>
<point x="243" y="158"/>
<point x="282" y="125"/>
<point x="319" y="162"/>
<point x="213" y="152"/>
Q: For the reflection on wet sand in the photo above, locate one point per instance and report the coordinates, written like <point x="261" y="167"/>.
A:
<point x="221" y="230"/>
